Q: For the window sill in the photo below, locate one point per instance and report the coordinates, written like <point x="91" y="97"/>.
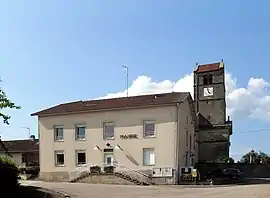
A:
<point x="109" y="138"/>
<point x="58" y="140"/>
<point x="60" y="165"/>
<point x="80" y="165"/>
<point x="149" y="137"/>
<point x="80" y="139"/>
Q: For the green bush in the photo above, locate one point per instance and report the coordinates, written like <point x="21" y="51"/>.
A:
<point x="8" y="174"/>
<point x="95" y="169"/>
<point x="34" y="170"/>
<point x="109" y="169"/>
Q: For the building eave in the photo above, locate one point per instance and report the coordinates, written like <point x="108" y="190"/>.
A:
<point x="102" y="110"/>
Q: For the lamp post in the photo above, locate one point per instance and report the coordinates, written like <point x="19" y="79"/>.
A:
<point x="126" y="69"/>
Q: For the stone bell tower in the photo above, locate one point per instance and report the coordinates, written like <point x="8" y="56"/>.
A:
<point x="210" y="104"/>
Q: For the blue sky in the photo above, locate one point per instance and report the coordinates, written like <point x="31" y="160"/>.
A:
<point x="58" y="51"/>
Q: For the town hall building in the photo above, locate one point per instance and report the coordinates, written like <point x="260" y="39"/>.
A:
<point x="154" y="134"/>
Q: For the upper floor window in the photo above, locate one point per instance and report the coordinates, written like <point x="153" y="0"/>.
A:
<point x="186" y="139"/>
<point x="190" y="142"/>
<point x="80" y="132"/>
<point x="58" y="133"/>
<point x="208" y="80"/>
<point x="149" y="129"/>
<point x="108" y="130"/>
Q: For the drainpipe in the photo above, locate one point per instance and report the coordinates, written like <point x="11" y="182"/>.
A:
<point x="177" y="143"/>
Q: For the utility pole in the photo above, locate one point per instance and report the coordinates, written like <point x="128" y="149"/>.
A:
<point x="126" y="69"/>
<point x="28" y="129"/>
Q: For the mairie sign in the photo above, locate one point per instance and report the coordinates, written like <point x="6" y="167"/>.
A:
<point x="129" y="136"/>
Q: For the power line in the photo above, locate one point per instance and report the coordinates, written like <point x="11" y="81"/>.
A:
<point x="254" y="130"/>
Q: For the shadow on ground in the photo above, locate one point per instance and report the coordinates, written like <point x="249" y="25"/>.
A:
<point x="245" y="181"/>
<point x="35" y="192"/>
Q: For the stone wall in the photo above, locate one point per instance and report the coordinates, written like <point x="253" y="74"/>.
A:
<point x="249" y="170"/>
<point x="54" y="176"/>
<point x="105" y="179"/>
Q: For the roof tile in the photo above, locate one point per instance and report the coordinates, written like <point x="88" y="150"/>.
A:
<point x="209" y="67"/>
<point x="114" y="103"/>
<point x="20" y="145"/>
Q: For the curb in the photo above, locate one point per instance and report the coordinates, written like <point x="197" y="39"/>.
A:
<point x="52" y="191"/>
<point x="57" y="192"/>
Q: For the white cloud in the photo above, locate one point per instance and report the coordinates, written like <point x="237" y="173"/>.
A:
<point x="250" y="101"/>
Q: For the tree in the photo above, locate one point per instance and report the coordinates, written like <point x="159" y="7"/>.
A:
<point x="225" y="159"/>
<point x="5" y="103"/>
<point x="254" y="157"/>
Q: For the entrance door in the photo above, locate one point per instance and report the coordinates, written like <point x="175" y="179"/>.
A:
<point x="108" y="159"/>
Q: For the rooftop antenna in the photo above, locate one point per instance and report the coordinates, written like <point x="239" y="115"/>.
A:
<point x="126" y="69"/>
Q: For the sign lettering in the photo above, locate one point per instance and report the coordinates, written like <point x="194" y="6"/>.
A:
<point x="129" y="136"/>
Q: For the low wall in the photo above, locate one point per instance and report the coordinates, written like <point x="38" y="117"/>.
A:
<point x="105" y="179"/>
<point x="249" y="170"/>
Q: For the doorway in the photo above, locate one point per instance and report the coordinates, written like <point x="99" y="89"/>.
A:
<point x="108" y="157"/>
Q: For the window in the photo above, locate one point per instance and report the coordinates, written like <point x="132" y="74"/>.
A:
<point x="190" y="143"/>
<point x="149" y="129"/>
<point x="58" y="133"/>
<point x="59" y="158"/>
<point x="80" y="132"/>
<point x="186" y="139"/>
<point x="108" y="130"/>
<point x="148" y="156"/>
<point x="23" y="158"/>
<point x="208" y="80"/>
<point x="80" y="157"/>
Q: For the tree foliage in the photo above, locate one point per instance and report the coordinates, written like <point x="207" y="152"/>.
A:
<point x="254" y="157"/>
<point x="225" y="159"/>
<point x="6" y="103"/>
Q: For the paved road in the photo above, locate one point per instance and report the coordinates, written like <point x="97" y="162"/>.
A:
<point x="77" y="190"/>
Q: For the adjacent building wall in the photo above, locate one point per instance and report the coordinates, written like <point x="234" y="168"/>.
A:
<point x="16" y="157"/>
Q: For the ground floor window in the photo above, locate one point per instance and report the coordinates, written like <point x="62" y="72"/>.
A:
<point x="23" y="158"/>
<point x="149" y="156"/>
<point x="59" y="158"/>
<point x="80" y="157"/>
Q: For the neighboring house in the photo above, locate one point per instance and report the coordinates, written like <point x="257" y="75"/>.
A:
<point x="22" y="152"/>
<point x="140" y="132"/>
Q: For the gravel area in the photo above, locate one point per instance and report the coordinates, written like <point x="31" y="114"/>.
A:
<point x="78" y="190"/>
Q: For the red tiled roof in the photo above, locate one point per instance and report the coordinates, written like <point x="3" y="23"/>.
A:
<point x="20" y="145"/>
<point x="209" y="67"/>
<point x="115" y="103"/>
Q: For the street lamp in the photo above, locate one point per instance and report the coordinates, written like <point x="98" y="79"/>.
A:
<point x="126" y="69"/>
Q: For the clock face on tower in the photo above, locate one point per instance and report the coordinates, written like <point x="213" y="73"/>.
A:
<point x="208" y="91"/>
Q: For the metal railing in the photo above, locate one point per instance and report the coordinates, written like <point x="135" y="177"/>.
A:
<point x="140" y="176"/>
<point x="77" y="172"/>
<point x="120" y="168"/>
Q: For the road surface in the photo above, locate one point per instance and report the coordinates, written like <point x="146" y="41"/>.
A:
<point x="78" y="190"/>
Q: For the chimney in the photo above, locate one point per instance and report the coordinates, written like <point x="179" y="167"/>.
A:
<point x="32" y="137"/>
<point x="228" y="118"/>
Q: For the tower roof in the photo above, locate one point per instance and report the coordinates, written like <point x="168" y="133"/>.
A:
<point x="209" y="67"/>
